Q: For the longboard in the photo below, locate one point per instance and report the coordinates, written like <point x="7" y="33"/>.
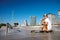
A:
<point x="34" y="31"/>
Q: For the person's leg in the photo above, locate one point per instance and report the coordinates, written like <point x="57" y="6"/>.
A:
<point x="44" y="28"/>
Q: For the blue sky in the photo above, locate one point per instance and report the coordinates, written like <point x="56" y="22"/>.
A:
<point x="23" y="9"/>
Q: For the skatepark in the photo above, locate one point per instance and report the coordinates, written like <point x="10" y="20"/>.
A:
<point x="24" y="33"/>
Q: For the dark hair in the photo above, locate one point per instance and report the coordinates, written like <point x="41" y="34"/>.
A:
<point x="45" y="15"/>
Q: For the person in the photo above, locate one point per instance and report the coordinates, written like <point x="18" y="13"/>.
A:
<point x="48" y="22"/>
<point x="44" y="28"/>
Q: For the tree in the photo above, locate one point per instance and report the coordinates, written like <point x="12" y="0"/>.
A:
<point x="2" y="24"/>
<point x="16" y="24"/>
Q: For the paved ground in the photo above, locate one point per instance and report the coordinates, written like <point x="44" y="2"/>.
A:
<point x="13" y="34"/>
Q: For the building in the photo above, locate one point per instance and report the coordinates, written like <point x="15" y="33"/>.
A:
<point x="59" y="15"/>
<point x="52" y="18"/>
<point x="32" y="20"/>
<point x="25" y="23"/>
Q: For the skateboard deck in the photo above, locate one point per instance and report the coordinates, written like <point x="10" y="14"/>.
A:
<point x="34" y="31"/>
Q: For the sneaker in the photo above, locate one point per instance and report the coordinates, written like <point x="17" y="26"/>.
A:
<point x="47" y="31"/>
<point x="41" y="31"/>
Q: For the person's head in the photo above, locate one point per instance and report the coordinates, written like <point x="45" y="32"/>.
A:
<point x="45" y="16"/>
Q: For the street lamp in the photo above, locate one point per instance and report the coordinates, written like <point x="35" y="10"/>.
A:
<point x="59" y="15"/>
<point x="12" y="16"/>
<point x="0" y="19"/>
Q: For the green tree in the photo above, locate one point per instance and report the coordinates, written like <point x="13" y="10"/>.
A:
<point x="16" y="24"/>
<point x="2" y="24"/>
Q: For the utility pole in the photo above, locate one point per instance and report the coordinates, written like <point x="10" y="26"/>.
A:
<point x="12" y="16"/>
<point x="0" y="19"/>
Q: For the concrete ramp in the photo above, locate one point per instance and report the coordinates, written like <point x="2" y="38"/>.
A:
<point x="56" y="28"/>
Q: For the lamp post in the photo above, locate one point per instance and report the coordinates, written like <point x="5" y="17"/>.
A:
<point x="0" y="19"/>
<point x="59" y="16"/>
<point x="12" y="16"/>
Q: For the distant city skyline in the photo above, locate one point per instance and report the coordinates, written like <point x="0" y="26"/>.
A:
<point x="33" y="20"/>
<point x="23" y="9"/>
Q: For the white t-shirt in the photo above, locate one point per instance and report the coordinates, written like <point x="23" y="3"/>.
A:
<point x="49" y="26"/>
